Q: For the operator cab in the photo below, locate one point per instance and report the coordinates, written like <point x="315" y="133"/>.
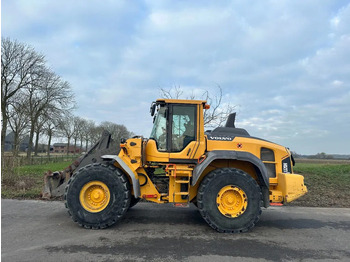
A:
<point x="176" y="128"/>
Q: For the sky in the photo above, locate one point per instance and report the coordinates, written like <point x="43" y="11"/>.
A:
<point x="284" y="65"/>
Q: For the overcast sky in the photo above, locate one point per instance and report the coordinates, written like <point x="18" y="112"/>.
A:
<point x="284" y="64"/>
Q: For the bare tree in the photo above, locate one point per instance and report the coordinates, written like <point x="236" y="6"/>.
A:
<point x="78" y="129"/>
<point x="49" y="128"/>
<point x="174" y="92"/>
<point x="95" y="134"/>
<point x="117" y="131"/>
<point x="18" y="120"/>
<point x="38" y="130"/>
<point x="21" y="65"/>
<point x="48" y="95"/>
<point x="82" y="132"/>
<point x="85" y="129"/>
<point x="67" y="128"/>
<point x="218" y="111"/>
<point x="88" y="129"/>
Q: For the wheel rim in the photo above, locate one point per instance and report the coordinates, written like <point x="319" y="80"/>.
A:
<point x="232" y="201"/>
<point x="94" y="196"/>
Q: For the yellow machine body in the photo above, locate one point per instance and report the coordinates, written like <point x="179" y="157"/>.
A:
<point x="227" y="173"/>
<point x="173" y="174"/>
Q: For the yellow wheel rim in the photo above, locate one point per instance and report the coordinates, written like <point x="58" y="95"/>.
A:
<point x="94" y="196"/>
<point x="231" y="201"/>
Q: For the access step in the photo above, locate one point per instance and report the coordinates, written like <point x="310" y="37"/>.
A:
<point x="182" y="181"/>
<point x="182" y="193"/>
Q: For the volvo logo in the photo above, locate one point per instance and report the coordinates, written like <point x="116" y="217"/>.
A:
<point x="221" y="138"/>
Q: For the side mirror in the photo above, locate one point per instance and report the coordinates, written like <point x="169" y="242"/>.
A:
<point x="153" y="108"/>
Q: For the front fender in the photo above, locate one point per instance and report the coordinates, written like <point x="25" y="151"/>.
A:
<point x="128" y="171"/>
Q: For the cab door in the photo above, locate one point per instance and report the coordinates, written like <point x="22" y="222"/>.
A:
<point x="183" y="135"/>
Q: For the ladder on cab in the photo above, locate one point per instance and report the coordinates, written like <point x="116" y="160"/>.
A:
<point x="179" y="184"/>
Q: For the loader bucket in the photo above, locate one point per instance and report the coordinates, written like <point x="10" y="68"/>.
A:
<point x="55" y="182"/>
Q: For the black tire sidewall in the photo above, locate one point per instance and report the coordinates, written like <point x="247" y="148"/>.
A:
<point x="119" y="201"/>
<point x="224" y="177"/>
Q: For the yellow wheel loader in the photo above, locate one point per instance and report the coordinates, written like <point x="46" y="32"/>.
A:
<point x="228" y="174"/>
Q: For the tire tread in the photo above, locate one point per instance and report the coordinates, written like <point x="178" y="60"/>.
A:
<point x="117" y="214"/>
<point x="202" y="189"/>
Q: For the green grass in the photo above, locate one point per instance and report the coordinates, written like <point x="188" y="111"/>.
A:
<point x="41" y="169"/>
<point x="27" y="181"/>
<point x="328" y="184"/>
<point x="325" y="174"/>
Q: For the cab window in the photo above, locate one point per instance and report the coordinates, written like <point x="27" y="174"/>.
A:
<point x="183" y="126"/>
<point x="159" y="131"/>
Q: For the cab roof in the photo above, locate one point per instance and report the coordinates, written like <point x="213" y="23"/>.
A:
<point x="181" y="101"/>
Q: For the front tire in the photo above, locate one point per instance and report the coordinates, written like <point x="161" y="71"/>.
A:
<point x="229" y="200"/>
<point x="97" y="196"/>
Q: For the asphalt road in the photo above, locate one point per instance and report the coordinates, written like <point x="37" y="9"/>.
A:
<point x="43" y="231"/>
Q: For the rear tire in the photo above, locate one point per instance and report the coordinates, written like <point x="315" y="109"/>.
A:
<point x="97" y="196"/>
<point x="229" y="200"/>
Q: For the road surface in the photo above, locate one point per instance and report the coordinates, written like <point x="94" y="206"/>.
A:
<point x="43" y="231"/>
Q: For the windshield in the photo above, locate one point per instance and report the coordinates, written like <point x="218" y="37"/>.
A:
<point x="159" y="129"/>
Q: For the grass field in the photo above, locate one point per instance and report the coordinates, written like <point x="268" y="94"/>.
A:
<point x="328" y="182"/>
<point x="27" y="181"/>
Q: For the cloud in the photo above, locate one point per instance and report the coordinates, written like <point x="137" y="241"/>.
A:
<point x="284" y="64"/>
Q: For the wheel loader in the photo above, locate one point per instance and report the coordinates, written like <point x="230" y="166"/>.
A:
<point x="226" y="173"/>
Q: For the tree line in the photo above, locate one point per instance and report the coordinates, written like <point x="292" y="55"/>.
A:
<point x="83" y="133"/>
<point x="37" y="102"/>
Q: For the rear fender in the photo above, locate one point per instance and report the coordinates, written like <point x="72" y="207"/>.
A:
<point x="236" y="155"/>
